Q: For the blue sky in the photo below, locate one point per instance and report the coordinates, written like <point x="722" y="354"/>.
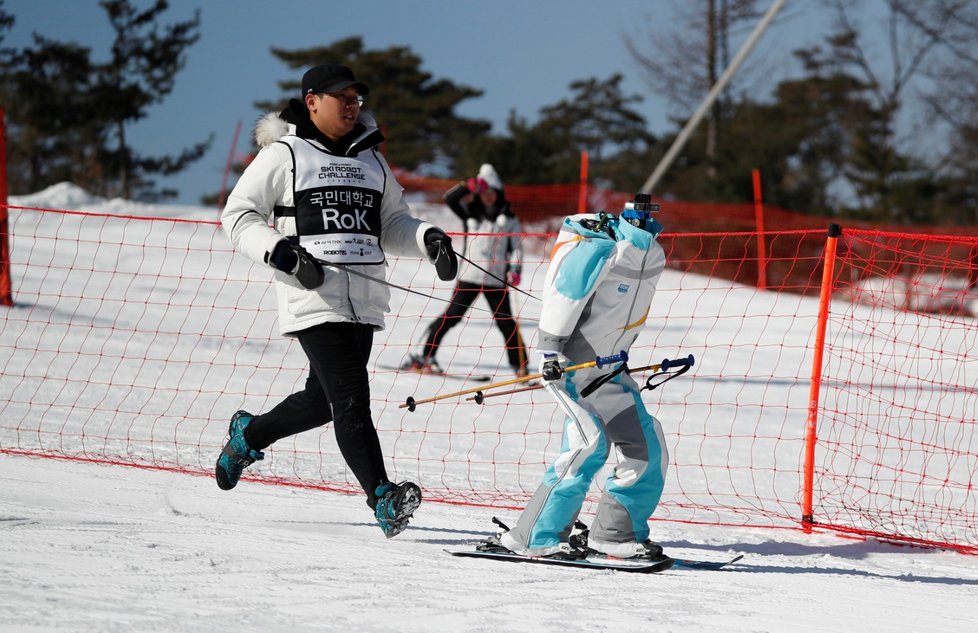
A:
<point x="522" y="53"/>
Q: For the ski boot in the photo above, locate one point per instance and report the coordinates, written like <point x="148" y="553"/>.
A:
<point x="497" y="543"/>
<point x="492" y="543"/>
<point x="646" y="550"/>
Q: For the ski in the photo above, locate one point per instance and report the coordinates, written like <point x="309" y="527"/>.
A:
<point x="600" y="562"/>
<point x="633" y="566"/>
<point x="686" y="563"/>
<point x="439" y="374"/>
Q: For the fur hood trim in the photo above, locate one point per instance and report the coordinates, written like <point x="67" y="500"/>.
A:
<point x="270" y="128"/>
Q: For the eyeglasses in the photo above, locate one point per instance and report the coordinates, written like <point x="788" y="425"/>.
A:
<point x="347" y="101"/>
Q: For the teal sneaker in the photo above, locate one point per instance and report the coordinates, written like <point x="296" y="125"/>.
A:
<point x="237" y="455"/>
<point x="396" y="504"/>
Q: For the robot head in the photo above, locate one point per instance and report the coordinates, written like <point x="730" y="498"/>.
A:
<point x="639" y="212"/>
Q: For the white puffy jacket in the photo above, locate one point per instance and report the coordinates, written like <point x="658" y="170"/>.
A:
<point x="492" y="241"/>
<point x="266" y="188"/>
<point x="495" y="246"/>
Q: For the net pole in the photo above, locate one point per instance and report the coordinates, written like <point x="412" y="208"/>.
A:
<point x="759" y="225"/>
<point x="222" y="197"/>
<point x="6" y="288"/>
<point x="811" y="428"/>
<point x="582" y="191"/>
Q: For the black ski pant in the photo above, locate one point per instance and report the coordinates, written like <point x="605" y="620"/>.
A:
<point x="338" y="390"/>
<point x="462" y="298"/>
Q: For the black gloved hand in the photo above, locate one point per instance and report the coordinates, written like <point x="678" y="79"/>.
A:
<point x="550" y="368"/>
<point x="295" y="260"/>
<point x="441" y="253"/>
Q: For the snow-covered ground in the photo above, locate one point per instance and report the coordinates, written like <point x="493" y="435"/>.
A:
<point x="86" y="547"/>
<point x="97" y="548"/>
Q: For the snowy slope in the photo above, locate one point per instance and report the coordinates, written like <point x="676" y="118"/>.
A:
<point x="95" y="548"/>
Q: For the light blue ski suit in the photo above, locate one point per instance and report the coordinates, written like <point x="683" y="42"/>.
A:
<point x="598" y="292"/>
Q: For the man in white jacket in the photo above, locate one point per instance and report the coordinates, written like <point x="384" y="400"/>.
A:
<point x="598" y="292"/>
<point x="332" y="199"/>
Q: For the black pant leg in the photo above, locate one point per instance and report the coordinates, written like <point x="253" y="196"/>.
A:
<point x="302" y="411"/>
<point x="339" y="353"/>
<point x="462" y="299"/>
<point x="502" y="314"/>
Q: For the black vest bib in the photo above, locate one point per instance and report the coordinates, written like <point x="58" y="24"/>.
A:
<point x="337" y="204"/>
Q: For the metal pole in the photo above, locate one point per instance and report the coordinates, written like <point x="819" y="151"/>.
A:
<point x="718" y="87"/>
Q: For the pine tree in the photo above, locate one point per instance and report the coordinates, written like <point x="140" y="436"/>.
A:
<point x="67" y="116"/>
<point x="145" y="59"/>
<point x="598" y="117"/>
<point x="53" y="126"/>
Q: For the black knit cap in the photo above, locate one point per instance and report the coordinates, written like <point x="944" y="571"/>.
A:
<point x="331" y="78"/>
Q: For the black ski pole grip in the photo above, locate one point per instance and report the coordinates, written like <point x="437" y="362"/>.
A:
<point x="601" y="361"/>
<point x="667" y="364"/>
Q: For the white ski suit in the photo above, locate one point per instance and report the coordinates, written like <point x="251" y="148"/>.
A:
<point x="598" y="292"/>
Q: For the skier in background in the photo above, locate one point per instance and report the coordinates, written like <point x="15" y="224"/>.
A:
<point x="599" y="288"/>
<point x="333" y="198"/>
<point x="492" y="242"/>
